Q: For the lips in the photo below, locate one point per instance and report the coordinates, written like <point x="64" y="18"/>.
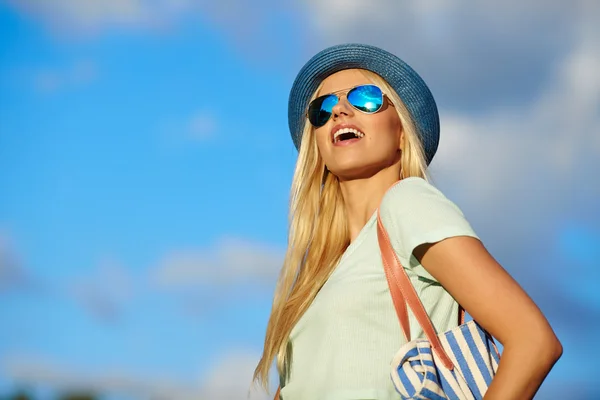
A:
<point x="344" y="132"/>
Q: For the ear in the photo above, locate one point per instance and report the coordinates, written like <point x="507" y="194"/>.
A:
<point x="402" y="139"/>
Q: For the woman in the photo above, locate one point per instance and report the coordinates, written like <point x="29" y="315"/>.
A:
<point x="367" y="127"/>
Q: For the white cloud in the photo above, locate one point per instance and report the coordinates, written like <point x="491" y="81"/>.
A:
<point x="63" y="376"/>
<point x="228" y="261"/>
<point x="230" y="377"/>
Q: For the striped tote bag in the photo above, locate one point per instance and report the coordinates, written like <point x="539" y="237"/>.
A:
<point x="456" y="365"/>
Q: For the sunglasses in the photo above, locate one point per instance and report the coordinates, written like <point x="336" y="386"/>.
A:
<point x="364" y="98"/>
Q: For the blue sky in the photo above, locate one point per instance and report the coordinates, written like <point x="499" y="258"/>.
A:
<point x="145" y="164"/>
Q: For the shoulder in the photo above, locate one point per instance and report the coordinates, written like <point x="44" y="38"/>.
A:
<point x="413" y="195"/>
<point x="413" y="211"/>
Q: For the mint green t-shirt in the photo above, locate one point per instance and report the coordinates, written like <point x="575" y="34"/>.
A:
<point x="341" y="348"/>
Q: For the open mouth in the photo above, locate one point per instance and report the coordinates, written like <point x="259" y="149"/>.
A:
<point x="347" y="134"/>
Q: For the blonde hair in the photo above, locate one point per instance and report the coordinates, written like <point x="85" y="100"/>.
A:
<point x="318" y="232"/>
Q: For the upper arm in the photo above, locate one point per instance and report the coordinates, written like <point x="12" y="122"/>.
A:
<point x="423" y="223"/>
<point x="465" y="268"/>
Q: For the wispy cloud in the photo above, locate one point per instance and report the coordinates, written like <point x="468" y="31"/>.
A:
<point x="229" y="261"/>
<point x="250" y="29"/>
<point x="12" y="274"/>
<point x="105" y="291"/>
<point x="200" y="127"/>
<point x="561" y="388"/>
<point x="203" y="125"/>
<point x="63" y="376"/>
<point x="78" y="74"/>
<point x="218" y="383"/>
<point x="93" y="16"/>
<point x="230" y="377"/>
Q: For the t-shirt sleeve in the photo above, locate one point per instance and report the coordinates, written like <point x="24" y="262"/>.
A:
<point x="415" y="212"/>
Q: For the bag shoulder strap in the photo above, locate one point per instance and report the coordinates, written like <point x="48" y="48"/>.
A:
<point x="404" y="293"/>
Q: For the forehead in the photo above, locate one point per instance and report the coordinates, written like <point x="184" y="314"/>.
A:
<point x="343" y="80"/>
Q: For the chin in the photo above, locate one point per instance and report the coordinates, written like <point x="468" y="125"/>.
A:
<point x="355" y="170"/>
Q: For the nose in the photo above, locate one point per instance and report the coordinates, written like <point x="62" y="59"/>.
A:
<point x="342" y="108"/>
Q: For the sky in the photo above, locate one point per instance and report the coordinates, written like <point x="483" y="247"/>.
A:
<point x="145" y="167"/>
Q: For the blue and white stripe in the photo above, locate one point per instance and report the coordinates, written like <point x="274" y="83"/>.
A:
<point x="416" y="374"/>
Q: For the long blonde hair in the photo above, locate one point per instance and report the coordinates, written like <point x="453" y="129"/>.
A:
<point x="318" y="232"/>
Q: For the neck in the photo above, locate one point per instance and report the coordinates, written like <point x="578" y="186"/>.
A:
<point x="363" y="196"/>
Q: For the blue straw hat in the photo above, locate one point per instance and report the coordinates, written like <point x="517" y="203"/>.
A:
<point x="406" y="82"/>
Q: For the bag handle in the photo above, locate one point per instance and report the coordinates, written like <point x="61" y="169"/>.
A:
<point x="404" y="293"/>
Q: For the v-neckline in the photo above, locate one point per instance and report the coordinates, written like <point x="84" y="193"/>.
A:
<point x="358" y="239"/>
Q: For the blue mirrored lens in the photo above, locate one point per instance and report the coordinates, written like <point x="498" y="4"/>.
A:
<point x="366" y="98"/>
<point x="320" y="109"/>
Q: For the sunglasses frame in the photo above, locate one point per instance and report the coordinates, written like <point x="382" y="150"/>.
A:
<point x="383" y="97"/>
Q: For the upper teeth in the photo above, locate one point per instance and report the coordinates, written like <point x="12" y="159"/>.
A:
<point x="347" y="130"/>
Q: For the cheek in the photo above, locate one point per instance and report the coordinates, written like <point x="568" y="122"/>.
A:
<point x="322" y="136"/>
<point x="390" y="128"/>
